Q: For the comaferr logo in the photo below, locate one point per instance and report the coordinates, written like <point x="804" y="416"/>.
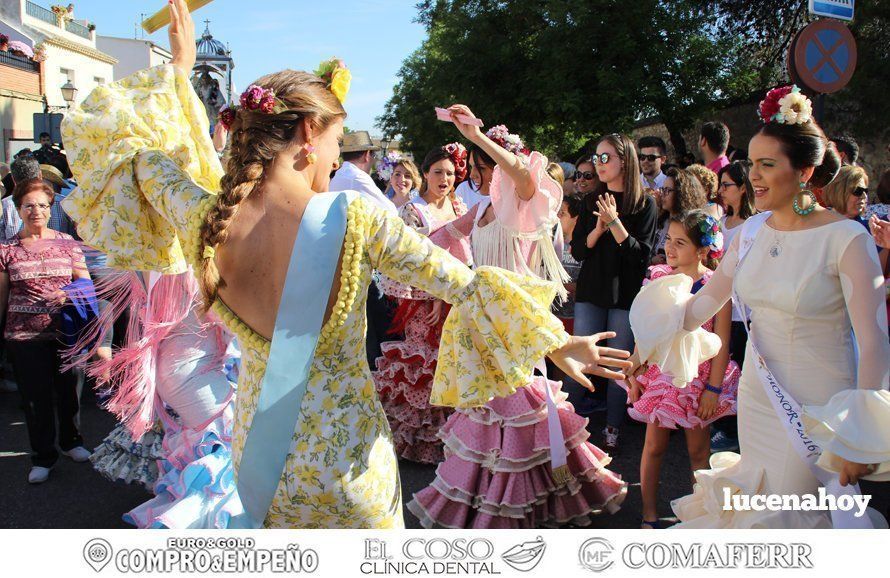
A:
<point x="596" y="554"/>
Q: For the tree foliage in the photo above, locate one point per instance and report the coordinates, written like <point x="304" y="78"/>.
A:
<point x="562" y="72"/>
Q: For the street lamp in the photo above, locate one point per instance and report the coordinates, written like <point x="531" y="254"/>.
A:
<point x="69" y="92"/>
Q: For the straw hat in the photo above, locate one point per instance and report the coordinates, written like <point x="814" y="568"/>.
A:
<point x="52" y="174"/>
<point x="358" y="141"/>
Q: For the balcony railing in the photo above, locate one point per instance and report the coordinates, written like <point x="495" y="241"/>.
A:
<point x="20" y="62"/>
<point x="79" y="29"/>
<point x="40" y="13"/>
<point x="48" y="16"/>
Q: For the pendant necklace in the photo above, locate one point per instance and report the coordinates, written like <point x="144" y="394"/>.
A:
<point x="776" y="249"/>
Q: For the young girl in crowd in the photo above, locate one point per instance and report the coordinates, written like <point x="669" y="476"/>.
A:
<point x="613" y="242"/>
<point x="404" y="376"/>
<point x="694" y="242"/>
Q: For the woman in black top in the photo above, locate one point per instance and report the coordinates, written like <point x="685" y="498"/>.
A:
<point x="613" y="241"/>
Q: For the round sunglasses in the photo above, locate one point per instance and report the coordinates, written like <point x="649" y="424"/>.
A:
<point x="600" y="159"/>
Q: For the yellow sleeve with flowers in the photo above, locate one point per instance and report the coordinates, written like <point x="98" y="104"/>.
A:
<point x="500" y="323"/>
<point x="146" y="169"/>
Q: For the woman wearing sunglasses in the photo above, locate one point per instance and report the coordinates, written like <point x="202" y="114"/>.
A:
<point x="847" y="194"/>
<point x="613" y="242"/>
<point x="585" y="177"/>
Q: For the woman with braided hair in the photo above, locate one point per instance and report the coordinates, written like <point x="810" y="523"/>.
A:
<point x="281" y="261"/>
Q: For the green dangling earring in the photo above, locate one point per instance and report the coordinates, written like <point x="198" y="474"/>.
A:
<point x="797" y="198"/>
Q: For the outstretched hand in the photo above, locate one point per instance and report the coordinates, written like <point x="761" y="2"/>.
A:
<point x="182" y="36"/>
<point x="582" y="355"/>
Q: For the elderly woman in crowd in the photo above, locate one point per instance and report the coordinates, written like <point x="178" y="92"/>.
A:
<point x="847" y="194"/>
<point x="35" y="265"/>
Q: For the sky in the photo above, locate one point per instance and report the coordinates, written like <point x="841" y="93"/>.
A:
<point x="373" y="37"/>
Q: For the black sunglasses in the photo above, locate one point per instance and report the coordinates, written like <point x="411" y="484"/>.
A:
<point x="860" y="191"/>
<point x="586" y="175"/>
<point x="650" y="158"/>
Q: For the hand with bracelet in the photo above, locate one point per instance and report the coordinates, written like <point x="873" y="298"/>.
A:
<point x="608" y="212"/>
<point x="707" y="403"/>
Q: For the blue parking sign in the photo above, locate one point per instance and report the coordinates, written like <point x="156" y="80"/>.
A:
<point x="840" y="9"/>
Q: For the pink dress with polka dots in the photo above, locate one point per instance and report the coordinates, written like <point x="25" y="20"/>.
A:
<point x="668" y="406"/>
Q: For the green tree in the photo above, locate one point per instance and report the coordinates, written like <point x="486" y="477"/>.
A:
<point x="561" y="73"/>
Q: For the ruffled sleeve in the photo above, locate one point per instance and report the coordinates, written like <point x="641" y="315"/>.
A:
<point x="656" y="318"/>
<point x="499" y="326"/>
<point x="853" y="425"/>
<point x="146" y="168"/>
<point x="529" y="216"/>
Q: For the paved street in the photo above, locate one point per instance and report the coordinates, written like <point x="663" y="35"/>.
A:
<point x="77" y="497"/>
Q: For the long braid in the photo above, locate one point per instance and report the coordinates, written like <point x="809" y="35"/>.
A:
<point x="256" y="139"/>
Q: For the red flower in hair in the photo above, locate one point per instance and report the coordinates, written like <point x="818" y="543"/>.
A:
<point x="770" y="106"/>
<point x="458" y="155"/>
<point x="226" y="117"/>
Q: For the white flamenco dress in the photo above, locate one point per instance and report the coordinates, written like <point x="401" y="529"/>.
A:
<point x="809" y="291"/>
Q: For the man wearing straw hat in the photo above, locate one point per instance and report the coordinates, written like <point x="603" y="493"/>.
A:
<point x="354" y="175"/>
<point x="357" y="152"/>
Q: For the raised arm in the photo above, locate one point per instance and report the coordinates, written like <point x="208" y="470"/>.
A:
<point x="512" y="166"/>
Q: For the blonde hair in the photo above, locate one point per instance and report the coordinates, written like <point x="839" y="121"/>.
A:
<point x="409" y="166"/>
<point x="256" y="138"/>
<point x="835" y="193"/>
<point x="556" y="173"/>
<point x="707" y="178"/>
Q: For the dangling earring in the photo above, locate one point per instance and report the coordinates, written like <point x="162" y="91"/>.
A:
<point x="798" y="197"/>
<point x="311" y="157"/>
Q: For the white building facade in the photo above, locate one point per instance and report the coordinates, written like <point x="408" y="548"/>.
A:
<point x="132" y="54"/>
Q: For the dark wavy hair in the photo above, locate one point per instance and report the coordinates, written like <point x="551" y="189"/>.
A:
<point x="688" y="196"/>
<point x="738" y="173"/>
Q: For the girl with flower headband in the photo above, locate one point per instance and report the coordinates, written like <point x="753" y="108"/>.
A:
<point x="522" y="461"/>
<point x="810" y="413"/>
<point x="285" y="264"/>
<point x="693" y="245"/>
<point x="404" y="376"/>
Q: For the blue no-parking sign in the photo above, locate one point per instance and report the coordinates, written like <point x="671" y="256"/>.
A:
<point x="841" y="9"/>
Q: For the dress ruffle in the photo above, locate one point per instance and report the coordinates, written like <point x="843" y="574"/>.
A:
<point x="853" y="425"/>
<point x="497" y="471"/>
<point x="493" y="338"/>
<point x="668" y="406"/>
<point x="656" y="318"/>
<point x="196" y="484"/>
<point x="703" y="508"/>
<point x="404" y="380"/>
<point x="119" y="457"/>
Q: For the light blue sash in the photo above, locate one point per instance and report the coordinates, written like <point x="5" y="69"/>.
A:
<point x="298" y="324"/>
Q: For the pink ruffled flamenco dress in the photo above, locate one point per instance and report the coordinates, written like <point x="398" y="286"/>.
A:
<point x="669" y="406"/>
<point x="404" y="376"/>
<point x="180" y="368"/>
<point x="497" y="471"/>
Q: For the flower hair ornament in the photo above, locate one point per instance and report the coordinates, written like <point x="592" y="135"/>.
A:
<point x="786" y="105"/>
<point x="387" y="164"/>
<point x="507" y="140"/>
<point x="458" y="154"/>
<point x="711" y="236"/>
<point x="258" y="99"/>
<point x="336" y="76"/>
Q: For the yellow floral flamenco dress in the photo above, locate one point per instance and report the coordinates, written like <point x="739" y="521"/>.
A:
<point x="148" y="175"/>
